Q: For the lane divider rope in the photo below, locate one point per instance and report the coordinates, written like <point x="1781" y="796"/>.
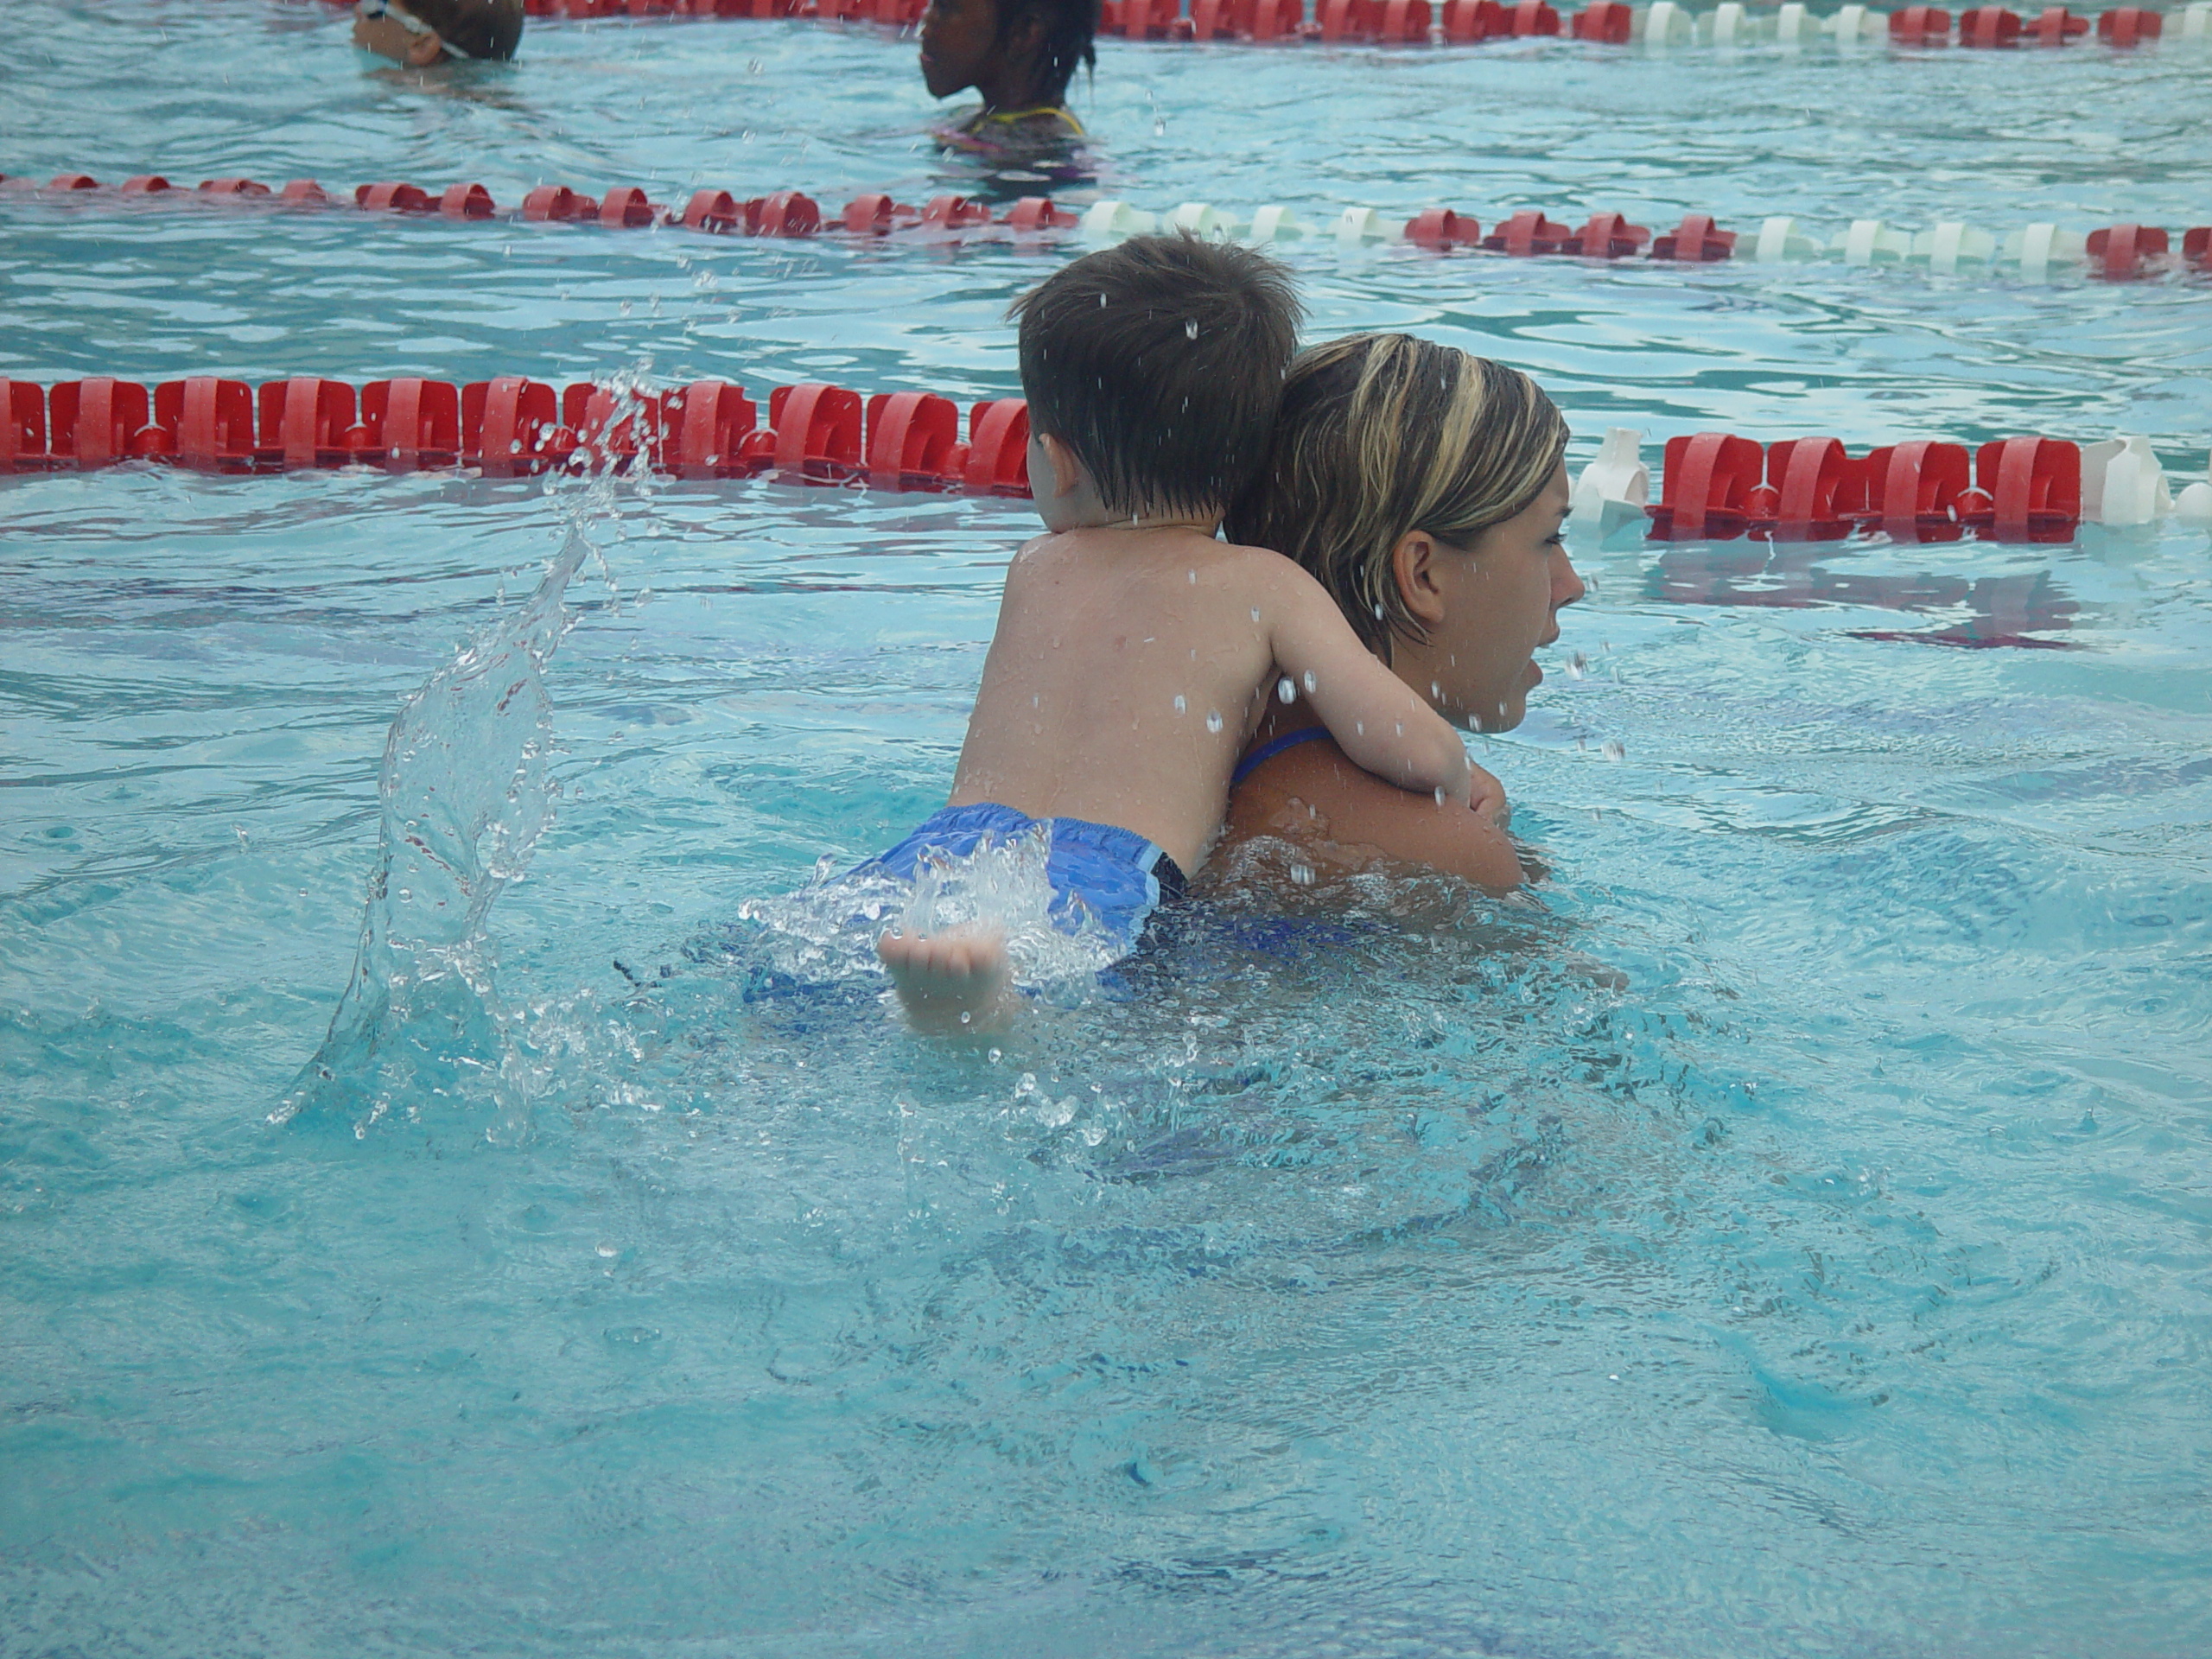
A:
<point x="513" y="426"/>
<point x="1465" y="23"/>
<point x="2113" y="252"/>
<point x="1718" y="486"/>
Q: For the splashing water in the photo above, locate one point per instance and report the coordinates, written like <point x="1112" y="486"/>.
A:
<point x="463" y="798"/>
<point x="824" y="934"/>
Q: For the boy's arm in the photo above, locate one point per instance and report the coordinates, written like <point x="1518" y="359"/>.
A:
<point x="1374" y="715"/>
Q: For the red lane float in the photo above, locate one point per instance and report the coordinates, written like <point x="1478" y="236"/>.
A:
<point x="1920" y="26"/>
<point x="1718" y="486"/>
<point x="513" y="426"/>
<point x="2121" y="252"/>
<point x="1526" y="234"/>
<point x="2129" y="26"/>
<point x="1696" y="240"/>
<point x="1607" y="236"/>
<point x="1608" y="21"/>
<point x="1989" y="26"/>
<point x="304" y="424"/>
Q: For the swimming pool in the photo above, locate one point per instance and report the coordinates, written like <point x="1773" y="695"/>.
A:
<point x="1791" y="1236"/>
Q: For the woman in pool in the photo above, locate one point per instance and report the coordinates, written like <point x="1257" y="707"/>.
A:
<point x="1425" y="490"/>
<point x="1019" y="55"/>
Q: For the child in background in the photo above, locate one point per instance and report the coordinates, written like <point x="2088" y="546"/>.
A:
<point x="1134" y="651"/>
<point x="421" y="33"/>
<point x="1019" y="55"/>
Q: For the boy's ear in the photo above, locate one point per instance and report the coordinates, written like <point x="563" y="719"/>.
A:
<point x="1068" y="475"/>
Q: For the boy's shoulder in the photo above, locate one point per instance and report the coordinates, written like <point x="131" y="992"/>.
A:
<point x="1174" y="557"/>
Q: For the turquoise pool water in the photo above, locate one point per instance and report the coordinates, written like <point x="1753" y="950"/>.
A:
<point x="1789" y="1234"/>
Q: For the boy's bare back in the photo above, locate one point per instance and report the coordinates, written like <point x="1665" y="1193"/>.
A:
<point x="1131" y="665"/>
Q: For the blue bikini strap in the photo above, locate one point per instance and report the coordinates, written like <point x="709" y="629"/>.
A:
<point x="1255" y="759"/>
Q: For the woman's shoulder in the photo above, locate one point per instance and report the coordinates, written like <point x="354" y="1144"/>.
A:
<point x="1308" y="793"/>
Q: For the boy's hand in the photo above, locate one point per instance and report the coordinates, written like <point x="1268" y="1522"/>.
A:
<point x="1486" y="797"/>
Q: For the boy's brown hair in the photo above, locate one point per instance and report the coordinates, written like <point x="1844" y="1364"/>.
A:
<point x="1160" y="363"/>
<point x="482" y="28"/>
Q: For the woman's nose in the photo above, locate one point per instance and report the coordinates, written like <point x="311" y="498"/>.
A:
<point x="1566" y="581"/>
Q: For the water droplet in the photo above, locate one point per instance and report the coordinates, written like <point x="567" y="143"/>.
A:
<point x="1440" y="794"/>
<point x="1301" y="875"/>
<point x="1256" y="612"/>
<point x="605" y="1252"/>
<point x="1213" y="720"/>
<point x="1180" y="704"/>
<point x="1312" y="682"/>
<point x="1194" y="578"/>
<point x="1359" y="726"/>
<point x="1615" y="750"/>
<point x="1285" y="691"/>
<point x="1577" y="665"/>
<point x="1190" y="329"/>
<point x="1435" y="690"/>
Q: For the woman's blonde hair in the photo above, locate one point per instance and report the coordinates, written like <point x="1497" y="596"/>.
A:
<point x="1383" y="433"/>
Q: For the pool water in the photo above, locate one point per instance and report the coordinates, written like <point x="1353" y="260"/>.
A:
<point x="1786" y="1230"/>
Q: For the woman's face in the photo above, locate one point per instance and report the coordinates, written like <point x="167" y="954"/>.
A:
<point x="1498" y="599"/>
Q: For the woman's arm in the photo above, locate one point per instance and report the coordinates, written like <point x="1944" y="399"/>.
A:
<point x="1375" y="717"/>
<point x="1346" y="818"/>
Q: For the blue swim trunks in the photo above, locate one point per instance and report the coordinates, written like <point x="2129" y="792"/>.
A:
<point x="1099" y="874"/>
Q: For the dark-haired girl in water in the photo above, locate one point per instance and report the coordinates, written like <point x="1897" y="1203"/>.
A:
<point x="1021" y="55"/>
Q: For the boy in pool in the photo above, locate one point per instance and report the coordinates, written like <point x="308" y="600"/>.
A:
<point x="421" y="33"/>
<point x="1019" y="55"/>
<point x="1134" y="651"/>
